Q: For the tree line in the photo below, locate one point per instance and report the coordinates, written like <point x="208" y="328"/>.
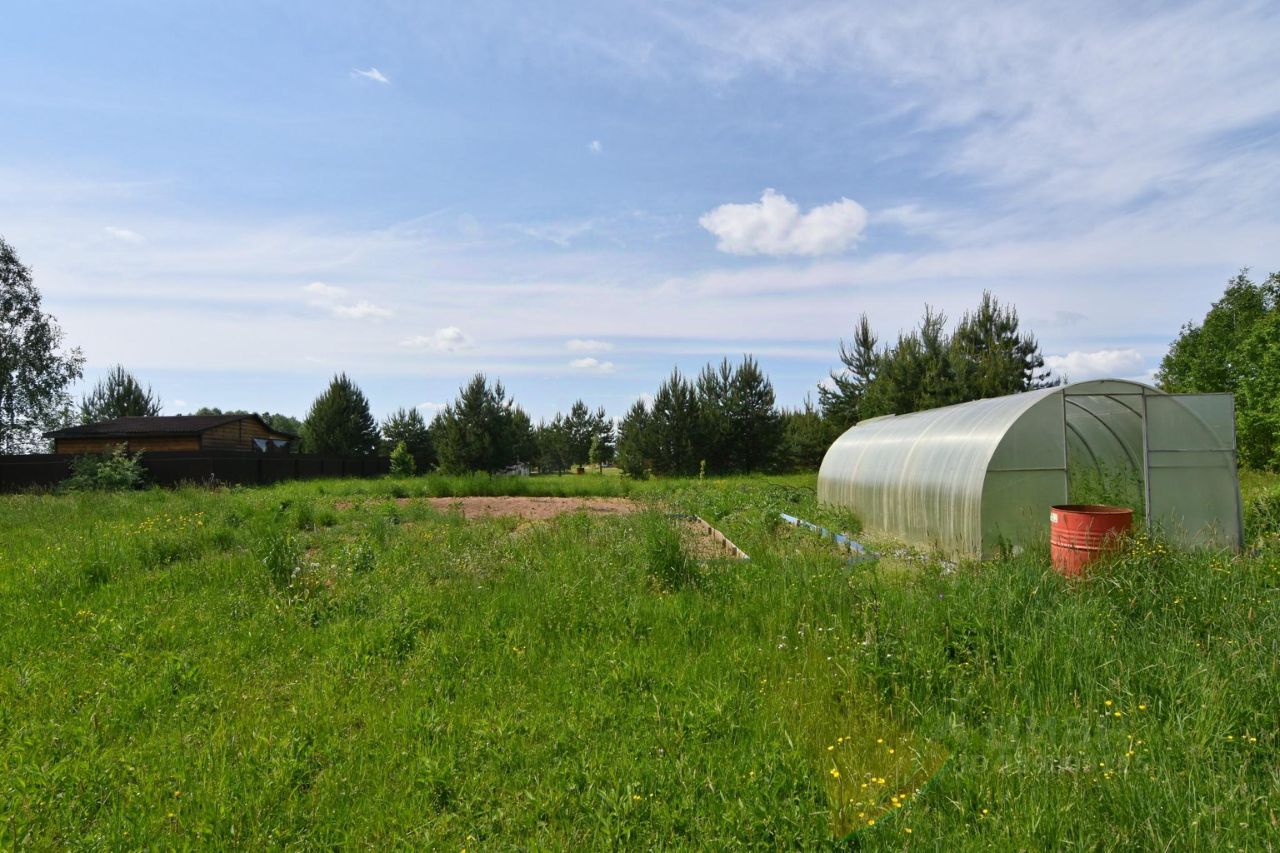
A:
<point x="725" y="419"/>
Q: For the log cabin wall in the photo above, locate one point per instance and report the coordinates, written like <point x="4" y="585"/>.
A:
<point x="237" y="435"/>
<point x="137" y="444"/>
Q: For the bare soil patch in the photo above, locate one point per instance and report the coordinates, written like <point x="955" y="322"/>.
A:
<point x="530" y="509"/>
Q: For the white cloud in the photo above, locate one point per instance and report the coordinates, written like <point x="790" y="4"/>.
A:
<point x="587" y="345"/>
<point x="181" y="404"/>
<point x="123" y="234"/>
<point x="320" y="290"/>
<point x="371" y="74"/>
<point x="775" y="226"/>
<point x="326" y="296"/>
<point x="595" y="147"/>
<point x="360" y="310"/>
<point x="1108" y="363"/>
<point x="448" y="339"/>
<point x="431" y="409"/>
<point x="592" y="365"/>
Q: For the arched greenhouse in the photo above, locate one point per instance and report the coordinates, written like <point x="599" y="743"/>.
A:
<point x="972" y="478"/>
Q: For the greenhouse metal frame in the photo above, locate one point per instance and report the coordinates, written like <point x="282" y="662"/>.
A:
<point x="979" y="478"/>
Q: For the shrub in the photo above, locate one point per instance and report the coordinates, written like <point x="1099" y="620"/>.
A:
<point x="114" y="471"/>
<point x="402" y="464"/>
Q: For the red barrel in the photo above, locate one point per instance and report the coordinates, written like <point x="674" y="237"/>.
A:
<point x="1078" y="533"/>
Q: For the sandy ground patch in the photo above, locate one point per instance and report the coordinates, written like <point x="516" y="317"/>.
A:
<point x="530" y="509"/>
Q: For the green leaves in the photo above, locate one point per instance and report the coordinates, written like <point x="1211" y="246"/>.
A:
<point x="1236" y="349"/>
<point x="34" y="374"/>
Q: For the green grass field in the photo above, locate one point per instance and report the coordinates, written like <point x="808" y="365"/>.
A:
<point x="338" y="664"/>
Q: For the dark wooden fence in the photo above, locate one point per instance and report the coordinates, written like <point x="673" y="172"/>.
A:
<point x="204" y="466"/>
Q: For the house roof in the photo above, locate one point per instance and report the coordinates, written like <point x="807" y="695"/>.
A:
<point x="158" y="425"/>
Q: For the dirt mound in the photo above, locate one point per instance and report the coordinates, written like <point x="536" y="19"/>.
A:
<point x="530" y="509"/>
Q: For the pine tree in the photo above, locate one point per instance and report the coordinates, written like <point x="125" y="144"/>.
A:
<point x="474" y="433"/>
<point x="842" y="401"/>
<point x="118" y="395"/>
<point x="806" y="437"/>
<point x="674" y="427"/>
<point x="408" y="427"/>
<point x="604" y="439"/>
<point x="755" y="427"/>
<point x="554" y="454"/>
<point x="634" y="454"/>
<point x="715" y="421"/>
<point x="34" y="375"/>
<point x="340" y="423"/>
<point x="523" y="437"/>
<point x="581" y="428"/>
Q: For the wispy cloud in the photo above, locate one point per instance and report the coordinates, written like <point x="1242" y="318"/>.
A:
<point x="1092" y="102"/>
<point x="448" y="339"/>
<point x="360" y="310"/>
<point x="371" y="74"/>
<point x="124" y="234"/>
<point x="328" y="296"/>
<point x="775" y="226"/>
<point x="587" y="345"/>
<point x="592" y="365"/>
<point x="595" y="147"/>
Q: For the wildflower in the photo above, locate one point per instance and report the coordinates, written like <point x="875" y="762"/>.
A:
<point x="835" y="774"/>
<point x="907" y="830"/>
<point x="871" y="822"/>
<point x="1107" y="703"/>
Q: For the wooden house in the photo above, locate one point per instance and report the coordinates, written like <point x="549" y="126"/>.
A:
<point x="248" y="433"/>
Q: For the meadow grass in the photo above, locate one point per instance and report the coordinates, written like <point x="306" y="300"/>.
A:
<point x="336" y="663"/>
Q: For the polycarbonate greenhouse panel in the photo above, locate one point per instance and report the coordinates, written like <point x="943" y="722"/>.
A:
<point x="1191" y="451"/>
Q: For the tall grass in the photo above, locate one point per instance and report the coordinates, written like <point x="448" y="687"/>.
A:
<point x="321" y="664"/>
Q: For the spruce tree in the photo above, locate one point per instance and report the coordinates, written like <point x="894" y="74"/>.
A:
<point x="340" y="423"/>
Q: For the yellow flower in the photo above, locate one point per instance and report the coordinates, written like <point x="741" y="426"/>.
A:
<point x="835" y="774"/>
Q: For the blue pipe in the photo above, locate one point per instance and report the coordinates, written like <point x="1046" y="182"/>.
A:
<point x="859" y="550"/>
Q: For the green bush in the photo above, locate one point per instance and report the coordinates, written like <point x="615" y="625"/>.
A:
<point x="402" y="464"/>
<point x="106" y="472"/>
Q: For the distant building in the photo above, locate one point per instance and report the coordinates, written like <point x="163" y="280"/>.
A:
<point x="248" y="433"/>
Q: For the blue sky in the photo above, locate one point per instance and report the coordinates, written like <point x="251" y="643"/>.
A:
<point x="236" y="201"/>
